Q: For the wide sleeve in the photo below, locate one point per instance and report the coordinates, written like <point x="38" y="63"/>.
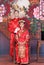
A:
<point x="11" y="26"/>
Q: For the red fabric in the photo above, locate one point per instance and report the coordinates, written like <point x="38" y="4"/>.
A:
<point x="11" y="26"/>
<point x="22" y="38"/>
<point x="12" y="40"/>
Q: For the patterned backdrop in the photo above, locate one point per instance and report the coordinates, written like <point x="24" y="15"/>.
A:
<point x="35" y="16"/>
<point x="34" y="5"/>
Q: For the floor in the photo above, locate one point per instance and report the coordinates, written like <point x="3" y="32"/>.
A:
<point x="8" y="63"/>
<point x="4" y="60"/>
<point x="11" y="63"/>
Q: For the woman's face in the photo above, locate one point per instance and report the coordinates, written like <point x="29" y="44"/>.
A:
<point x="22" y="25"/>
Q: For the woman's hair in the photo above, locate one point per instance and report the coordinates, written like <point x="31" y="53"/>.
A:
<point x="21" y="21"/>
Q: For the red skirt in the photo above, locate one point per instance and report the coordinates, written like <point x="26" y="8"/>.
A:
<point x="25" y="59"/>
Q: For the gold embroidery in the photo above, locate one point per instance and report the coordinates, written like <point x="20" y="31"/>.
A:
<point x="21" y="52"/>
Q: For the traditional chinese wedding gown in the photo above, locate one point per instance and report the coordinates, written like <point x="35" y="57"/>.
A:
<point x="13" y="24"/>
<point x="22" y="51"/>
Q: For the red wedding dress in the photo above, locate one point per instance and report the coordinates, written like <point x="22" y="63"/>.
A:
<point x="13" y="24"/>
<point x="22" y="51"/>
